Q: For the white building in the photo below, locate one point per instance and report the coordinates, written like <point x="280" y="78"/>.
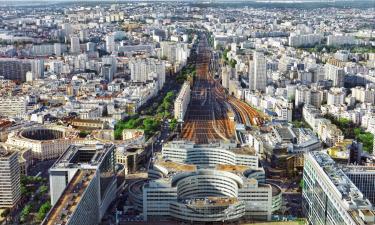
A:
<point x="337" y="40"/>
<point x="181" y="102"/>
<point x="304" y="40"/>
<point x="208" y="189"/>
<point x="74" y="45"/>
<point x="364" y="95"/>
<point x="12" y="106"/>
<point x="336" y="96"/>
<point x="336" y="74"/>
<point x="110" y="43"/>
<point x="143" y="70"/>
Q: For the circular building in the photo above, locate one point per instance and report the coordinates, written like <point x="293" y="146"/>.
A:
<point x="46" y="142"/>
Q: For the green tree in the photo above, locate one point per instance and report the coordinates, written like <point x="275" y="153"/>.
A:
<point x="25" y="212"/>
<point x="43" y="210"/>
<point x="43" y="189"/>
<point x="83" y="133"/>
<point x="173" y="124"/>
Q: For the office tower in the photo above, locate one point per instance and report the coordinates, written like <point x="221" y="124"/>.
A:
<point x="14" y="69"/>
<point x="110" y="60"/>
<point x="181" y="102"/>
<point x="83" y="35"/>
<point x="329" y="196"/>
<point x="110" y="43"/>
<point x="83" y="184"/>
<point x="12" y="106"/>
<point x="258" y="72"/>
<point x="57" y="49"/>
<point x="74" y="45"/>
<point x="37" y="68"/>
<point x="90" y="46"/>
<point x="107" y="72"/>
<point x="334" y="73"/>
<point x="10" y="186"/>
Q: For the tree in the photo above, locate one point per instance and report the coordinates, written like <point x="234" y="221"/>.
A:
<point x="25" y="212"/>
<point x="43" y="189"/>
<point x="83" y="133"/>
<point x="43" y="210"/>
<point x="173" y="124"/>
<point x="233" y="63"/>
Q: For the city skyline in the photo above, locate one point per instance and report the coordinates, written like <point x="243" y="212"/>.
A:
<point x="187" y="112"/>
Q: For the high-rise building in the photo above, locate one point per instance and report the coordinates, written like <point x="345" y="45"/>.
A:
<point x="107" y="72"/>
<point x="83" y="184"/>
<point x="83" y="35"/>
<point x="37" y="68"/>
<point x="329" y="196"/>
<point x="10" y="186"/>
<point x="258" y="75"/>
<point x="110" y="43"/>
<point x="90" y="46"/>
<point x="14" y="69"/>
<point x="144" y="70"/>
<point x="67" y="29"/>
<point x="58" y="49"/>
<point x="74" y="45"/>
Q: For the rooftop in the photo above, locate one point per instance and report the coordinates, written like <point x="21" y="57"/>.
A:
<point x="349" y="192"/>
<point x="82" y="156"/>
<point x="177" y="166"/>
<point x="211" y="201"/>
<point x="232" y="168"/>
<point x="68" y="201"/>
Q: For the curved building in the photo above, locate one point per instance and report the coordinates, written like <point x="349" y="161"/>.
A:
<point x="46" y="142"/>
<point x="208" y="155"/>
<point x="191" y="190"/>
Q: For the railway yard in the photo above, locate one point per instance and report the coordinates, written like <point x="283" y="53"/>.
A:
<point x="212" y="114"/>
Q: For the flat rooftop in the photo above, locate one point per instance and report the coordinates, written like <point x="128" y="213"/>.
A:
<point x="68" y="201"/>
<point x="349" y="192"/>
<point x="211" y="201"/>
<point x="79" y="155"/>
<point x="232" y="168"/>
<point x="244" y="151"/>
<point x="177" y="166"/>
